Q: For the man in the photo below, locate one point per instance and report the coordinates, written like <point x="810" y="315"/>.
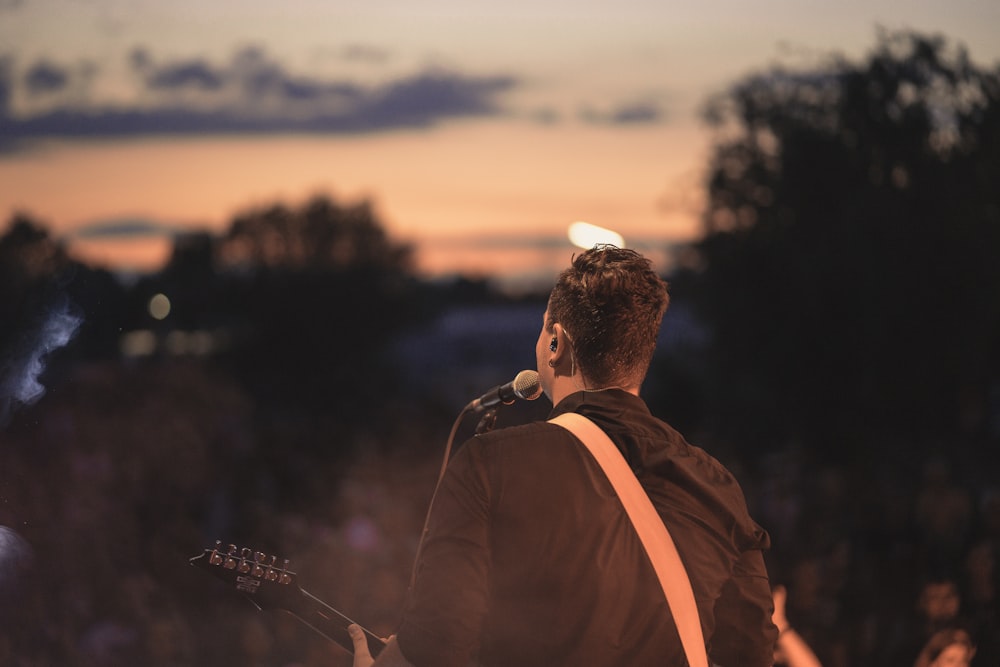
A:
<point x="530" y="558"/>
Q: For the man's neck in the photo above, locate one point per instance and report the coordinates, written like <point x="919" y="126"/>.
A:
<point x="565" y="385"/>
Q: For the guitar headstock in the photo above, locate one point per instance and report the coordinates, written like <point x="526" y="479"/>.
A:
<point x="270" y="585"/>
<point x="264" y="579"/>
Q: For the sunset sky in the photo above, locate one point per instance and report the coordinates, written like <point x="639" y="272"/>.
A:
<point x="480" y="131"/>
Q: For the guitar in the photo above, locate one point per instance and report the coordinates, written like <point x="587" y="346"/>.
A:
<point x="271" y="587"/>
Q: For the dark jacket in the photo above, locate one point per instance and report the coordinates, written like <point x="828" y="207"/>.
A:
<point x="531" y="560"/>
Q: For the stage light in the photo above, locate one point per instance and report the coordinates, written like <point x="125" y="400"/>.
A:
<point x="585" y="235"/>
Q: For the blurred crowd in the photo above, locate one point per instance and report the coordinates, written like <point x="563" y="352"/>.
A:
<point x="123" y="473"/>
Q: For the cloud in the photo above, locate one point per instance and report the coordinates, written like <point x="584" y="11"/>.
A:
<point x="417" y="100"/>
<point x="251" y="93"/>
<point x="7" y="143"/>
<point x="365" y="53"/>
<point x="502" y="242"/>
<point x="6" y="84"/>
<point x="125" y="228"/>
<point x="174" y="76"/>
<point x="44" y="77"/>
<point x="637" y="113"/>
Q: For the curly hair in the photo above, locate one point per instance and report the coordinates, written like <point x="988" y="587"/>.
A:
<point x="610" y="302"/>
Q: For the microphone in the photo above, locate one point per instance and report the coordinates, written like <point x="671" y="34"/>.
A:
<point x="525" y="385"/>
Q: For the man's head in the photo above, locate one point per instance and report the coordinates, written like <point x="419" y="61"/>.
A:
<point x="608" y="306"/>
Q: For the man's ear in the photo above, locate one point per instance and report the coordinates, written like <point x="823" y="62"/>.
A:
<point x="561" y="345"/>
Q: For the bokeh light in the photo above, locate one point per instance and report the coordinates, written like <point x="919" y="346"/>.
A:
<point x="585" y="235"/>
<point x="159" y="306"/>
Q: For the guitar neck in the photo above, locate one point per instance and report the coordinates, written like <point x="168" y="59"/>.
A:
<point x="268" y="585"/>
<point x="330" y="623"/>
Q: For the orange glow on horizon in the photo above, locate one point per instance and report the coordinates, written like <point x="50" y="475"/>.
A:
<point x="462" y="181"/>
<point x="145" y="255"/>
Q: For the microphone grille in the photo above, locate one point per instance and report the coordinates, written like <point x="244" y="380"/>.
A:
<point x="527" y="386"/>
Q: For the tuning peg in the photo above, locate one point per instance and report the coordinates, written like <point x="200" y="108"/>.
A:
<point x="230" y="563"/>
<point x="285" y="578"/>
<point x="216" y="558"/>
<point x="272" y="574"/>
<point x="244" y="565"/>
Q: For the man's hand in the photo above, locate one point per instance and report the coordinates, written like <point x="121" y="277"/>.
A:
<point x="362" y="657"/>
<point x="391" y="656"/>
<point x="778" y="617"/>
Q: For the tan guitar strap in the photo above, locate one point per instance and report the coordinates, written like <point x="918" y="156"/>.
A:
<point x="653" y="534"/>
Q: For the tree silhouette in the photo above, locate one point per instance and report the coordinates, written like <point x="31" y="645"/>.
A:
<point x="848" y="267"/>
<point x="310" y="297"/>
<point x="321" y="236"/>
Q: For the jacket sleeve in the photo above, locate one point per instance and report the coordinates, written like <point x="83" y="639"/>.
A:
<point x="442" y="619"/>
<point x="744" y="633"/>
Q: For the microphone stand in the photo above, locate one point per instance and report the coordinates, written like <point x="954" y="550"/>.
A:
<point x="487" y="422"/>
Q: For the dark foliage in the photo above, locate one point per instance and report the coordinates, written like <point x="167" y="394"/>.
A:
<point x="848" y="270"/>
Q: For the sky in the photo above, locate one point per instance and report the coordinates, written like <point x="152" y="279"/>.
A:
<point x="478" y="131"/>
